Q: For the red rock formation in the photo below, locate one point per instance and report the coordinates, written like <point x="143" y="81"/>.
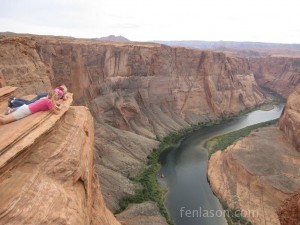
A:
<point x="46" y="177"/>
<point x="290" y="120"/>
<point x="137" y="93"/>
<point x="5" y="92"/>
<point x="280" y="74"/>
<point x="289" y="210"/>
<point x="21" y="66"/>
<point x="188" y="81"/>
<point x="260" y="171"/>
<point x="256" y="174"/>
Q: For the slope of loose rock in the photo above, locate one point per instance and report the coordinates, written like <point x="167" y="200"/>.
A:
<point x="146" y="213"/>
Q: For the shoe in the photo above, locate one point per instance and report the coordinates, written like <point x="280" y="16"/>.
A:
<point x="10" y="101"/>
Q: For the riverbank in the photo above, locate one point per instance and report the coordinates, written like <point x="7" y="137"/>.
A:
<point x="151" y="190"/>
<point x="220" y="143"/>
<point x="223" y="141"/>
<point x="147" y="179"/>
<point x="235" y="175"/>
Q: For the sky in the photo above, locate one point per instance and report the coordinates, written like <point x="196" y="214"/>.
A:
<point x="276" y="21"/>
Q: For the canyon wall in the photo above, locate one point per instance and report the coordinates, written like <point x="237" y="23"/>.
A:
<point x="258" y="172"/>
<point x="280" y="74"/>
<point x="139" y="92"/>
<point x="290" y="120"/>
<point x="136" y="92"/>
<point x="21" y="66"/>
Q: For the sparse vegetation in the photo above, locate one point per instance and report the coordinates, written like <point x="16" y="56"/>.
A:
<point x="150" y="188"/>
<point x="223" y="141"/>
<point x="151" y="191"/>
<point x="234" y="217"/>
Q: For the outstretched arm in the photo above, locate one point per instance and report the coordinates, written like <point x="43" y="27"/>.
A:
<point x="57" y="107"/>
<point x="55" y="110"/>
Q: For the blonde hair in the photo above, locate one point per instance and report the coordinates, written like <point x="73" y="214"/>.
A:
<point x="53" y="95"/>
<point x="65" y="88"/>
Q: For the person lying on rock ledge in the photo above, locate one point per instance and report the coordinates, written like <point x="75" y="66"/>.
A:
<point x="14" y="103"/>
<point x="52" y="102"/>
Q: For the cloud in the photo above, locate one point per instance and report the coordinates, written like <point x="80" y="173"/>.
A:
<point x="126" y="26"/>
<point x="255" y="20"/>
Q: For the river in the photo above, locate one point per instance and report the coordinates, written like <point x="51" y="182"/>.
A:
<point x="190" y="200"/>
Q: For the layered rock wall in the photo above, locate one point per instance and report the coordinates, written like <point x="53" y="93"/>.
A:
<point x="188" y="82"/>
<point x="137" y="93"/>
<point x="21" y="66"/>
<point x="258" y="172"/>
<point x="280" y="74"/>
<point x="141" y="92"/>
<point x="290" y="120"/>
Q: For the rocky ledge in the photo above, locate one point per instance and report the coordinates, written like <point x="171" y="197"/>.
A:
<point x="137" y="93"/>
<point x="47" y="171"/>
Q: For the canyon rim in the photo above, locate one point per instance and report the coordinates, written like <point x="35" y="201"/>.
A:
<point x="126" y="97"/>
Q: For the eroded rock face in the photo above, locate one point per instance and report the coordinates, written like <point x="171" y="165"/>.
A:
<point x="21" y="66"/>
<point x="280" y="74"/>
<point x="289" y="210"/>
<point x="140" y="92"/>
<point x="290" y="120"/>
<point x="136" y="93"/>
<point x="130" y="77"/>
<point x="256" y="174"/>
<point x="53" y="180"/>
